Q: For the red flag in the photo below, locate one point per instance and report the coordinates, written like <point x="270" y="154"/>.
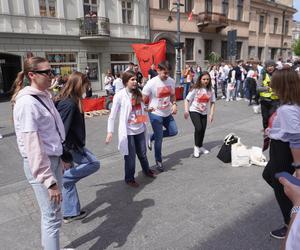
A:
<point x="150" y="53"/>
<point x="190" y="16"/>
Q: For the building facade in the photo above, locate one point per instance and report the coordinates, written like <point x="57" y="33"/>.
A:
<point x="84" y="35"/>
<point x="296" y="30"/>
<point x="264" y="28"/>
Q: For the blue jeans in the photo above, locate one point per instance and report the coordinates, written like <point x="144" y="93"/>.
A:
<point x="237" y="88"/>
<point x="158" y="122"/>
<point x="136" y="146"/>
<point x="186" y="88"/>
<point x="85" y="164"/>
<point x="50" y="212"/>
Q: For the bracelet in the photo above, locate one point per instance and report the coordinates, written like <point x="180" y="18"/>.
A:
<point x="296" y="165"/>
<point x="295" y="210"/>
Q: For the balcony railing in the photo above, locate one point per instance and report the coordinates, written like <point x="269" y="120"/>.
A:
<point x="211" y="22"/>
<point x="94" y="27"/>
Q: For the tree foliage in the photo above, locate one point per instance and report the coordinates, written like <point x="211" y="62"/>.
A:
<point x="296" y="47"/>
<point x="214" y="58"/>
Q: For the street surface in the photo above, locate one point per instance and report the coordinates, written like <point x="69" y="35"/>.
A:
<point x="195" y="204"/>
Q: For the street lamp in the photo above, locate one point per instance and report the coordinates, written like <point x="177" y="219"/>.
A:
<point x="178" y="44"/>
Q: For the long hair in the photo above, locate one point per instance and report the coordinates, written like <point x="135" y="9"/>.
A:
<point x="136" y="93"/>
<point x="74" y="87"/>
<point x="286" y="84"/>
<point x="30" y="64"/>
<point x="199" y="84"/>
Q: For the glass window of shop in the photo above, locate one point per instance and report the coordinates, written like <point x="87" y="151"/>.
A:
<point x="189" y="49"/>
<point x="92" y="69"/>
<point x="47" y="8"/>
<point x="119" y="62"/>
<point x="62" y="63"/>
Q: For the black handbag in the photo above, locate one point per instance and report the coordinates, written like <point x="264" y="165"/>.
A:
<point x="225" y="151"/>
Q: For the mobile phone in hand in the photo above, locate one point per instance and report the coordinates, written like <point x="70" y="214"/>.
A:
<point x="289" y="177"/>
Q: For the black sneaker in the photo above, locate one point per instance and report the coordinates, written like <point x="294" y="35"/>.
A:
<point x="80" y="216"/>
<point x="279" y="233"/>
<point x="159" y="166"/>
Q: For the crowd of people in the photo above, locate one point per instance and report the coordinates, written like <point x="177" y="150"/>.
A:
<point x="51" y="132"/>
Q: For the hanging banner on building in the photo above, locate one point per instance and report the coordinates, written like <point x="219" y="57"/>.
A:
<point x="149" y="53"/>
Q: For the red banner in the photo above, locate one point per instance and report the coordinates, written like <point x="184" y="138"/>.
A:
<point x="150" y="53"/>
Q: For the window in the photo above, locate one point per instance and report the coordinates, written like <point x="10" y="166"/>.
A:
<point x="251" y="51"/>
<point x="261" y="24"/>
<point x="119" y="62"/>
<point x="89" y="6"/>
<point x="240" y="10"/>
<point x="208" y="6"/>
<point x="224" y="50"/>
<point x="260" y="52"/>
<point x="93" y="69"/>
<point x="273" y="53"/>
<point x="286" y="27"/>
<point x="238" y="49"/>
<point x="127" y="12"/>
<point x="275" y="25"/>
<point x="62" y="63"/>
<point x="207" y="48"/>
<point x="164" y="4"/>
<point x="225" y="7"/>
<point x="48" y="8"/>
<point x="189" y="5"/>
<point x="189" y="49"/>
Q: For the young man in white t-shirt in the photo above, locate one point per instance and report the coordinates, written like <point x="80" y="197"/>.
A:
<point x="159" y="94"/>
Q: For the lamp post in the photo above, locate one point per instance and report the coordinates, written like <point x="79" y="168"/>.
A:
<point x="178" y="45"/>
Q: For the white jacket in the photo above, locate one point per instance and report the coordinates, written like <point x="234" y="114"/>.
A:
<point x="122" y="104"/>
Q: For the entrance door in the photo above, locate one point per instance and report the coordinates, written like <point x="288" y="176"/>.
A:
<point x="170" y="56"/>
<point x="10" y="66"/>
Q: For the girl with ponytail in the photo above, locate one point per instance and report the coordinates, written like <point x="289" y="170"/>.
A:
<point x="132" y="127"/>
<point x="40" y="132"/>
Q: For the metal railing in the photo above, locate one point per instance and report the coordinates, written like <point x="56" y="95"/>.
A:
<point x="212" y="17"/>
<point x="94" y="26"/>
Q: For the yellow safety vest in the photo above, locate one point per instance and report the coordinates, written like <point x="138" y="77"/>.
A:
<point x="268" y="94"/>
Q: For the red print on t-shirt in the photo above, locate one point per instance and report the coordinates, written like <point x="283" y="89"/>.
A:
<point x="164" y="91"/>
<point x="203" y="98"/>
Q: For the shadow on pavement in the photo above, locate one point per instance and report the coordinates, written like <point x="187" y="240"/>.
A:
<point x="245" y="233"/>
<point x="177" y="158"/>
<point x="121" y="214"/>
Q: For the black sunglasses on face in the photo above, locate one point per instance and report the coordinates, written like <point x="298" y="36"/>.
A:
<point x="47" y="72"/>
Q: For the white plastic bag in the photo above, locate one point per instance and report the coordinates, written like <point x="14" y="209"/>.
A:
<point x="257" y="157"/>
<point x="256" y="109"/>
<point x="240" y="155"/>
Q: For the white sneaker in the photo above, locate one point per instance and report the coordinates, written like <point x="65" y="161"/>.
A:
<point x="223" y="97"/>
<point x="1" y="136"/>
<point x="196" y="152"/>
<point x="238" y="98"/>
<point x="204" y="150"/>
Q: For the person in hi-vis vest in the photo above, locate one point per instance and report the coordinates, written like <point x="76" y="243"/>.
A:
<point x="268" y="100"/>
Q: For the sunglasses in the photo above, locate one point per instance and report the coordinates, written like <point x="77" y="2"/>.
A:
<point x="47" y="72"/>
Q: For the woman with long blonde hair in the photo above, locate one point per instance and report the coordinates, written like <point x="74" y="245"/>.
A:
<point x="84" y="163"/>
<point x="40" y="133"/>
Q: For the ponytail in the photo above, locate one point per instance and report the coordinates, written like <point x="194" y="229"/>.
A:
<point x="17" y="86"/>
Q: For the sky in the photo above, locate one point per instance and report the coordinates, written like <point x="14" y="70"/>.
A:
<point x="297" y="6"/>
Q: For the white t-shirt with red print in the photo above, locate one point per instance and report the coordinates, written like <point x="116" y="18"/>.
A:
<point x="199" y="100"/>
<point x="160" y="93"/>
<point x="136" y="118"/>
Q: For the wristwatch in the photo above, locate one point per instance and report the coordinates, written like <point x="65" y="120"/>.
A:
<point x="295" y="210"/>
<point x="296" y="165"/>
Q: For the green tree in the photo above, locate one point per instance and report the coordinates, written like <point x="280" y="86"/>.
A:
<point x="214" y="58"/>
<point x="296" y="47"/>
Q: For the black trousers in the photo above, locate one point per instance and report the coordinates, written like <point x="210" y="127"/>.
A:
<point x="280" y="160"/>
<point x="267" y="109"/>
<point x="200" y="122"/>
<point x="252" y="92"/>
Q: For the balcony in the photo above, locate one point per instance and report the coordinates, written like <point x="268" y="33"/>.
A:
<point x="211" y="22"/>
<point x="94" y="28"/>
